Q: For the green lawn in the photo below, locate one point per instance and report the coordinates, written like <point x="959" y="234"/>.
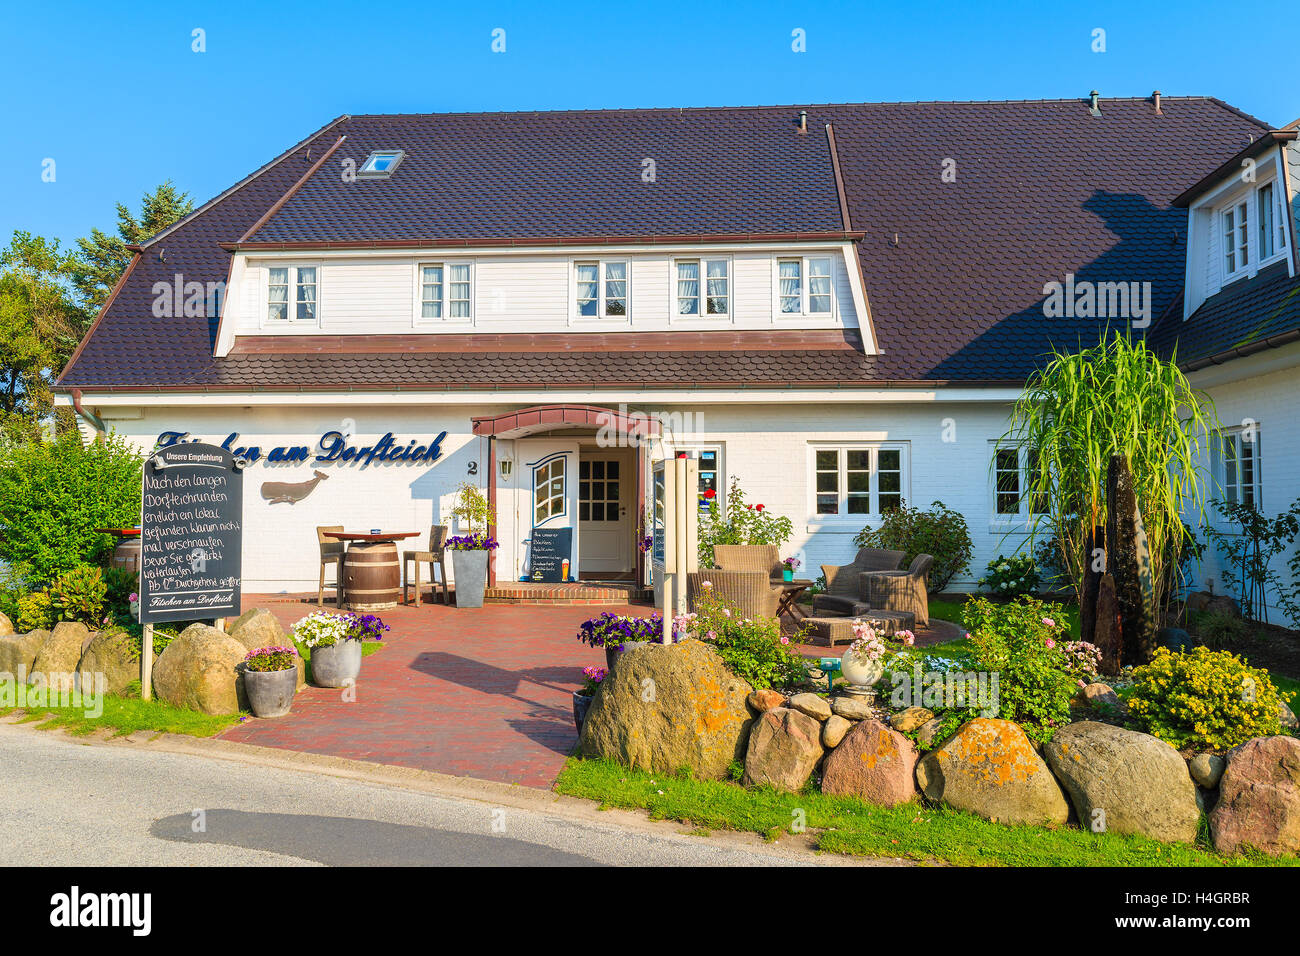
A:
<point x="949" y="609"/>
<point x="124" y="715"/>
<point x="851" y="826"/>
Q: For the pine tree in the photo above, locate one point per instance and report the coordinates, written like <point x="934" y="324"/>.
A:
<point x="104" y="257"/>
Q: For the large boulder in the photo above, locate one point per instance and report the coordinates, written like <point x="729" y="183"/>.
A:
<point x="668" y="707"/>
<point x="873" y="762"/>
<point x="1122" y="781"/>
<point x="784" y="748"/>
<point x="18" y="652"/>
<point x="199" y="670"/>
<point x="6" y="626"/>
<point x="1259" y="798"/>
<point x="56" y="662"/>
<point x="989" y="767"/>
<point x="815" y="707"/>
<point x="115" y="655"/>
<point x="257" y="628"/>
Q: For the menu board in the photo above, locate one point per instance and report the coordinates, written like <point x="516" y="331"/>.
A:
<point x="549" y="555"/>
<point x="191" y="531"/>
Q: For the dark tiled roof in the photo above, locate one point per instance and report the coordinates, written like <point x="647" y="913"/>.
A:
<point x="1042" y="188"/>
<point x="1246" y="316"/>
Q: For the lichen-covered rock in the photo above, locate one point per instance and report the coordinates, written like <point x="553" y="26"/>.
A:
<point x="199" y="670"/>
<point x="851" y="708"/>
<point x="911" y="718"/>
<point x="671" y="706"/>
<point x="833" y="731"/>
<point x="1259" y="798"/>
<point x="114" y="655"/>
<point x="1122" y="781"/>
<point x="873" y="762"/>
<point x="18" y="652"/>
<point x="1286" y="716"/>
<point x="56" y="662"/>
<point x="989" y="767"/>
<point x="784" y="748"/>
<point x="927" y="735"/>
<point x="6" y="626"/>
<point x="765" y="699"/>
<point x="1207" y="769"/>
<point x="257" y="628"/>
<point x="1103" y="699"/>
<point x="815" y="707"/>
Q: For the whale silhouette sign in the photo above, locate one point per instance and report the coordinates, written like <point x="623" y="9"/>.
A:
<point x="291" y="491"/>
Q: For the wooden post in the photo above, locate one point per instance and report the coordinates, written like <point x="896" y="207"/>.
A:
<point x="220" y="624"/>
<point x="146" y="663"/>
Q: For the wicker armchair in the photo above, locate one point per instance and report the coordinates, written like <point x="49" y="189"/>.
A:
<point x="843" y="594"/>
<point x="435" y="557"/>
<point x="748" y="557"/>
<point x="901" y="590"/>
<point x="750" y="592"/>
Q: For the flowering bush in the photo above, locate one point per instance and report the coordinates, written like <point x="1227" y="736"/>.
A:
<point x="610" y="629"/>
<point x="1204" y="699"/>
<point x="475" y="541"/>
<point x="273" y="658"/>
<point x="742" y="524"/>
<point x="1019" y="642"/>
<point x="592" y="678"/>
<point x="1082" y="660"/>
<point x="35" y="611"/>
<point x="1010" y="577"/>
<point x="753" y="650"/>
<point x="320" y="629"/>
<point x="367" y="627"/>
<point x="869" y="645"/>
<point x="78" y="595"/>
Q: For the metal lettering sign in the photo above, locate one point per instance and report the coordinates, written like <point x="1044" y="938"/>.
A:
<point x="191" y="534"/>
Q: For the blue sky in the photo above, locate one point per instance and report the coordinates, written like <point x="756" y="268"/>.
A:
<point x="114" y="94"/>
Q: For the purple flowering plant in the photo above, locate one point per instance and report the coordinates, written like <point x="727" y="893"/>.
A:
<point x="366" y="627"/>
<point x="272" y="658"/>
<point x="616" y="630"/>
<point x="592" y="677"/>
<point x="474" y="541"/>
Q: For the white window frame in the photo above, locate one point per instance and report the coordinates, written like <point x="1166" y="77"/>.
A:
<point x="291" y="323"/>
<point x="1252" y="256"/>
<point x="602" y="287"/>
<point x="446" y="319"/>
<point x="1275" y="226"/>
<point x="842" y="515"/>
<point x="805" y="285"/>
<point x="1234" y="233"/>
<point x="367" y="171"/>
<point x="702" y="262"/>
<point x="1231" y="486"/>
<point x="1023" y="515"/>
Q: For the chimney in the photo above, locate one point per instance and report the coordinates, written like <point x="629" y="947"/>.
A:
<point x="803" y="121"/>
<point x="1094" y="99"/>
<point x="1155" y="98"/>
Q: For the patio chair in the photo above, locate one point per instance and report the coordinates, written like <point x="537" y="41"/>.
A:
<point x="748" y="557"/>
<point x="749" y="592"/>
<point x="331" y="552"/>
<point x="435" y="557"/>
<point x="901" y="590"/>
<point x="843" y="594"/>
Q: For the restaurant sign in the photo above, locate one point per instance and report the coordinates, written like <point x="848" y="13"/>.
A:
<point x="332" y="447"/>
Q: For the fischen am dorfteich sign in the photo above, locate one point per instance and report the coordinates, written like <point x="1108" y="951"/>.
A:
<point x="191" y="530"/>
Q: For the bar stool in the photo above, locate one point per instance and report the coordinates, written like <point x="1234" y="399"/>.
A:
<point x="435" y="556"/>
<point x="331" y="552"/>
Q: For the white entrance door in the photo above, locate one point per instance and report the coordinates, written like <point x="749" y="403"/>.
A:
<point x="606" y="488"/>
<point x="550" y="492"/>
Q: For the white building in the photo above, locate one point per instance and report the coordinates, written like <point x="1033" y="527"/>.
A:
<point x="833" y="305"/>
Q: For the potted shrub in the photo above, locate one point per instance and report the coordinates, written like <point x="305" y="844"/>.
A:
<point x="863" y="663"/>
<point x="788" y="568"/>
<point x="614" y="632"/>
<point x="335" y="647"/>
<point x="271" y="679"/>
<point x="591" y="680"/>
<point x="469" y="566"/>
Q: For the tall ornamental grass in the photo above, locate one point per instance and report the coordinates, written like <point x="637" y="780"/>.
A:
<point x="1116" y="398"/>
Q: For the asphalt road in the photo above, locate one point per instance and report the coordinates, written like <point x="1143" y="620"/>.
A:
<point x="64" y="802"/>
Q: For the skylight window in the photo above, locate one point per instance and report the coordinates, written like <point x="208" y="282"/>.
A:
<point x="380" y="164"/>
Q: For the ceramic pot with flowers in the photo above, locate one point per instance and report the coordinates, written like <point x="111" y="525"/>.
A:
<point x="271" y="680"/>
<point x="335" y="647"/>
<point x="863" y="662"/>
<point x="592" y="677"/>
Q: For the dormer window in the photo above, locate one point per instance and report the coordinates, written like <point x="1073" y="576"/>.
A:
<point x="1272" y="226"/>
<point x="291" y="294"/>
<point x="600" y="289"/>
<point x="804" y="286"/>
<point x="1236" y="236"/>
<point x="380" y="164"/>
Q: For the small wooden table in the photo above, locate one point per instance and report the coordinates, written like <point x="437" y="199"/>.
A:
<point x="790" y="591"/>
<point x="372" y="574"/>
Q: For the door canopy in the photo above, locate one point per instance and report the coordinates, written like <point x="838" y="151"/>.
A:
<point x="544" y="418"/>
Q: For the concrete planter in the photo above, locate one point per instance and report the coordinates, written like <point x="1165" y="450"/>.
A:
<point x="270" y="693"/>
<point x="470" y="571"/>
<point x="581" y="704"/>
<point x="334" y="666"/>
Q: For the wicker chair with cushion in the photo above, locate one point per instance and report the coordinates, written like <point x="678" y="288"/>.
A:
<point x="748" y="557"/>
<point x="750" y="592"/>
<point x="843" y="594"/>
<point x="435" y="558"/>
<point x="901" y="590"/>
<point x="331" y="552"/>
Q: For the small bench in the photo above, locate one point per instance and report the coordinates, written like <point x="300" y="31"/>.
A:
<point x="839" y="630"/>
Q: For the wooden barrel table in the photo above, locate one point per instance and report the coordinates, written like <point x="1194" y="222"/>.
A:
<point x="372" y="576"/>
<point x="126" y="555"/>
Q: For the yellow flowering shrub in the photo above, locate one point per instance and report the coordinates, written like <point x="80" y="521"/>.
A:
<point x="1204" y="699"/>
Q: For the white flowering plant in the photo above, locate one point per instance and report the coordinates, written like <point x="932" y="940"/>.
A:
<point x="869" y="645"/>
<point x="1011" y="577"/>
<point x="320" y="629"/>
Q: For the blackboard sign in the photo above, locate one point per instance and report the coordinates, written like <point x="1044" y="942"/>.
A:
<point x="191" y="531"/>
<point x="549" y="555"/>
